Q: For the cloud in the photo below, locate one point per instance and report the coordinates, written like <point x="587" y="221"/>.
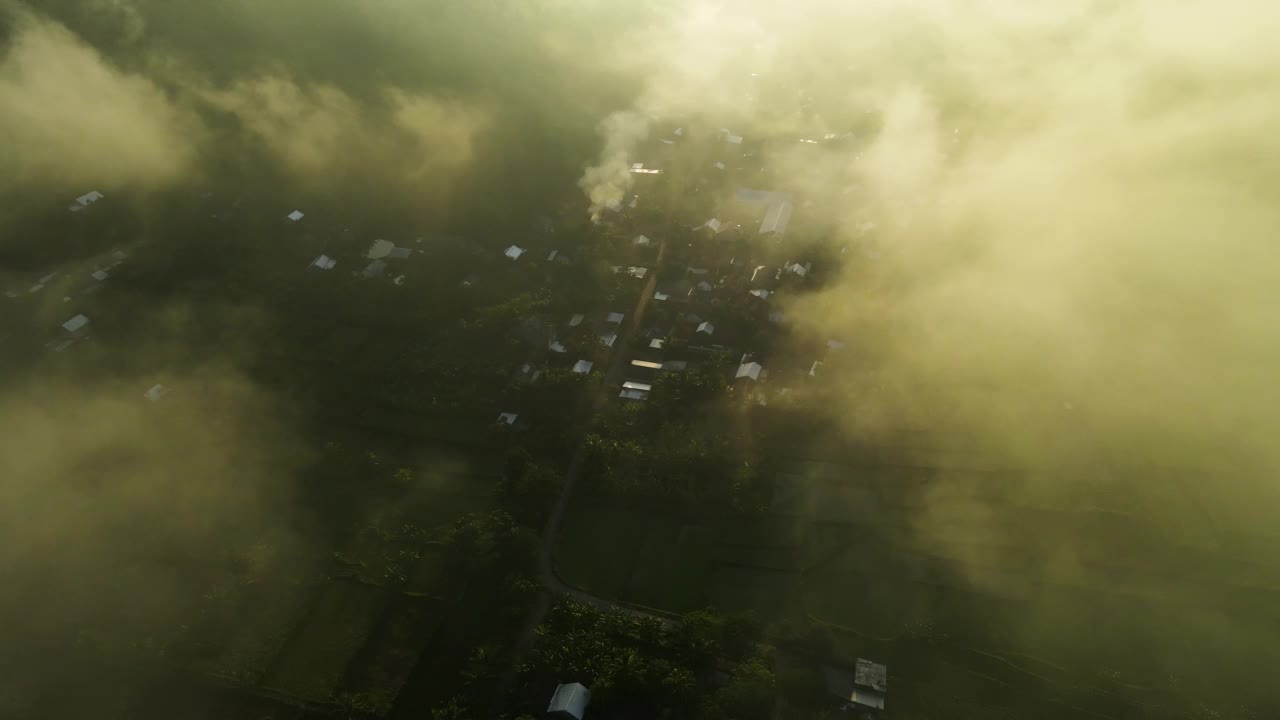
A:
<point x="73" y="119"/>
<point x="326" y="138"/>
<point x="120" y="515"/>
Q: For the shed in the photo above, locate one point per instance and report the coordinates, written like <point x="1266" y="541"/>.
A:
<point x="507" y="418"/>
<point x="637" y="272"/>
<point x="632" y="385"/>
<point x="86" y="200"/>
<point x="614" y="317"/>
<point x="647" y="365"/>
<point x="569" y="701"/>
<point x="707" y="328"/>
<point x="582" y="367"/>
<point x="76" y="324"/>
<point x="324" y="262"/>
<point x="749" y="370"/>
<point x="295" y="216"/>
<point x="514" y="252"/>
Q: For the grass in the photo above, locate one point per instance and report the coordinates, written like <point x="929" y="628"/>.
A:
<point x="313" y="663"/>
<point x="393" y="650"/>
<point x="269" y="615"/>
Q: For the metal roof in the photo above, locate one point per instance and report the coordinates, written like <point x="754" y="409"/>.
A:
<point x="570" y="700"/>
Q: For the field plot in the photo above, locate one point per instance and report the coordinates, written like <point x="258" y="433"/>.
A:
<point x="268" y="617"/>
<point x="392" y="651"/>
<point x="316" y="658"/>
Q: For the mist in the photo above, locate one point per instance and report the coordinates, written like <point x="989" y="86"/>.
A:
<point x="1051" y="230"/>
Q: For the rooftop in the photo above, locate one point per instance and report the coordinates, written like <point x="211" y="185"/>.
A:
<point x="76" y="323"/>
<point x="324" y="262"/>
<point x="514" y="252"/>
<point x="582" y="366"/>
<point x="569" y="701"/>
<point x="507" y="418"/>
<point x="295" y="216"/>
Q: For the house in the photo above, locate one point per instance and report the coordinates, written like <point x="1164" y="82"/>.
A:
<point x="514" y="252"/>
<point x="706" y="328"/>
<point x="641" y="241"/>
<point x="156" y="392"/>
<point x="657" y="343"/>
<point x="374" y="269"/>
<point x="659" y="295"/>
<point x="865" y="688"/>
<point x="582" y="367"/>
<point x="507" y="419"/>
<point x="85" y="200"/>
<point x="324" y="262"/>
<point x="614" y="317"/>
<point x="750" y="370"/>
<point x="776" y="219"/>
<point x="76" y="324"/>
<point x="569" y="701"/>
<point x="295" y="216"/>
<point x="380" y="249"/>
<point x="632" y="390"/>
<point x="646" y="365"/>
<point x="637" y="272"/>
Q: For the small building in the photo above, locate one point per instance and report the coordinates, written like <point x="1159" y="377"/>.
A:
<point x="379" y="249"/>
<point x="646" y="365"/>
<point x="514" y="252"/>
<point x="750" y="370"/>
<point x="85" y="200"/>
<point x="582" y="367"/>
<point x="295" y="216"/>
<point x="637" y="272"/>
<point x="507" y="419"/>
<point x="657" y="343"/>
<point x="707" y="328"/>
<point x="76" y="324"/>
<point x="576" y="320"/>
<point x="659" y="295"/>
<point x="324" y="262"/>
<point x="556" y="346"/>
<point x="641" y="241"/>
<point x="374" y="269"/>
<point x="714" y="225"/>
<point x="776" y="219"/>
<point x="569" y="701"/>
<point x="614" y="317"/>
<point x="865" y="688"/>
<point x="551" y="256"/>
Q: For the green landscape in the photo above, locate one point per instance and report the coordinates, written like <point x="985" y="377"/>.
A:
<point x="681" y="360"/>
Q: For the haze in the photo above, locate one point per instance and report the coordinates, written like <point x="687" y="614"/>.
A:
<point x="1042" y="240"/>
